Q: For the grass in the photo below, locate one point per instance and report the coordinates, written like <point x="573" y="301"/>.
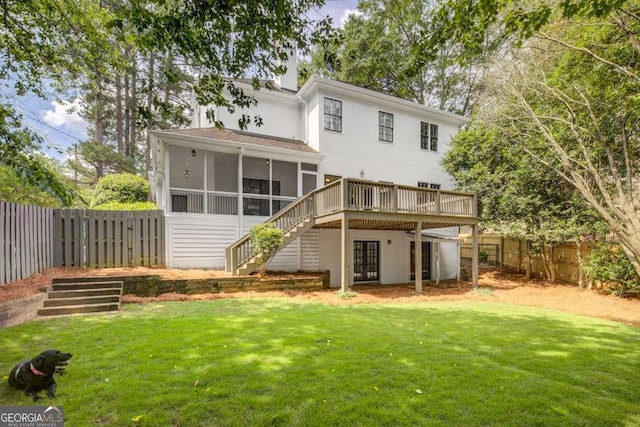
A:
<point x="287" y="362"/>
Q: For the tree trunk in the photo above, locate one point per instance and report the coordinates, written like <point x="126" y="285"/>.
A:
<point x="99" y="123"/>
<point x="119" y="135"/>
<point x="527" y="260"/>
<point x="150" y="89"/>
<point x="134" y="111"/>
<point x="127" y="115"/>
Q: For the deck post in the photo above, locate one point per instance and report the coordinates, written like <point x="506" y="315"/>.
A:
<point x="437" y="262"/>
<point x="474" y="256"/>
<point x="418" y="257"/>
<point x="344" y="286"/>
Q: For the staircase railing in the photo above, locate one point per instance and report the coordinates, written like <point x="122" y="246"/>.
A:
<point x="286" y="220"/>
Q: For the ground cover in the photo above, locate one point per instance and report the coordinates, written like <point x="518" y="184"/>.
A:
<point x="288" y="361"/>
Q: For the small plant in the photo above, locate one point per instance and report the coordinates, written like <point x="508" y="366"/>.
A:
<point x="484" y="292"/>
<point x="346" y="295"/>
<point x="483" y="255"/>
<point x="266" y="239"/>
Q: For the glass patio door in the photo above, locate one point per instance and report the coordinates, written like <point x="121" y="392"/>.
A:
<point x="426" y="260"/>
<point x="366" y="260"/>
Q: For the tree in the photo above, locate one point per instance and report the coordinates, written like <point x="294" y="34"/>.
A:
<point x="570" y="96"/>
<point x="518" y="198"/>
<point x="379" y="48"/>
<point x="120" y="51"/>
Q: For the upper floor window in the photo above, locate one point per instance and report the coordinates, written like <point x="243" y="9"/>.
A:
<point x="428" y="136"/>
<point x="432" y="186"/>
<point x="385" y="126"/>
<point x="333" y="114"/>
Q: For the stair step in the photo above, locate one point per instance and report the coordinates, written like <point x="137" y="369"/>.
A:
<point x="78" y="309"/>
<point x="61" y="302"/>
<point x="85" y="293"/>
<point x="85" y="285"/>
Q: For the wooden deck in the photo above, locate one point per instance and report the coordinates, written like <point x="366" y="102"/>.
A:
<point x="349" y="204"/>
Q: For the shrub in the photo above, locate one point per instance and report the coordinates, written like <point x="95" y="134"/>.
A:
<point x="265" y="241"/>
<point x="118" y="206"/>
<point x="122" y="188"/>
<point x="609" y="264"/>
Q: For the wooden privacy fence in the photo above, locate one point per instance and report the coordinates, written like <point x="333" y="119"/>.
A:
<point x="26" y="241"/>
<point x="511" y="253"/>
<point x="34" y="238"/>
<point x="103" y="239"/>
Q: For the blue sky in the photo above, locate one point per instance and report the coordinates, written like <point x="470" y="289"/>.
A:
<point x="62" y="127"/>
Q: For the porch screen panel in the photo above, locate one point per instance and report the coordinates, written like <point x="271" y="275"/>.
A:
<point x="256" y="186"/>
<point x="222" y="183"/>
<point x="186" y="180"/>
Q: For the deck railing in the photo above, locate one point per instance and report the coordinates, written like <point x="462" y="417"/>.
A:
<point x="359" y="195"/>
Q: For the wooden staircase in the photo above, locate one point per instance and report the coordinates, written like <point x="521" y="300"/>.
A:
<point x="294" y="220"/>
<point x="76" y="298"/>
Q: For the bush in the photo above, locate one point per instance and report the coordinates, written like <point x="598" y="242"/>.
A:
<point x="135" y="206"/>
<point x="265" y="241"/>
<point x="609" y="264"/>
<point x="122" y="188"/>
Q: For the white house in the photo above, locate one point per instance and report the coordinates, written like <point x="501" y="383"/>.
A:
<point x="350" y="174"/>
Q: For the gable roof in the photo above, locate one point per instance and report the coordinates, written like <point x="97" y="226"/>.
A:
<point x="237" y="138"/>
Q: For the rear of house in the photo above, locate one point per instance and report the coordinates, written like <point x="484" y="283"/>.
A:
<point x="214" y="185"/>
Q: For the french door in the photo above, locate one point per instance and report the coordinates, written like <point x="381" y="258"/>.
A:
<point x="366" y="260"/>
<point x="426" y="260"/>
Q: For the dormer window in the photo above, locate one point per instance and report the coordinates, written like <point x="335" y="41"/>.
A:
<point x="332" y="114"/>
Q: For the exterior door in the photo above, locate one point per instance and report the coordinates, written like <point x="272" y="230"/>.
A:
<point x="366" y="260"/>
<point x="426" y="261"/>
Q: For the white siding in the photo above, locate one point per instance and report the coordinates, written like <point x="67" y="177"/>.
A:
<point x="199" y="241"/>
<point x="357" y="147"/>
<point x="282" y="115"/>
<point x="310" y="251"/>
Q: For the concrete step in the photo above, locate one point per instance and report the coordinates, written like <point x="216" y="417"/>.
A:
<point x="83" y="300"/>
<point x="85" y="286"/>
<point x="78" y="309"/>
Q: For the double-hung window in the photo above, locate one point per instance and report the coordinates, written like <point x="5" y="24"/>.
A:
<point x="428" y="136"/>
<point x="333" y="114"/>
<point x="385" y="126"/>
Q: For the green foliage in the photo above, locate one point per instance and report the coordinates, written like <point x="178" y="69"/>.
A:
<point x="121" y="188"/>
<point x="130" y="206"/>
<point x="19" y="152"/>
<point x="380" y="48"/>
<point x="609" y="264"/>
<point x="265" y="241"/>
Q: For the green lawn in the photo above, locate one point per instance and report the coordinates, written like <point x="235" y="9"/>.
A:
<point x="289" y="362"/>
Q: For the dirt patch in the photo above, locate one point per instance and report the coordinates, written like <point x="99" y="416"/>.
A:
<point x="494" y="285"/>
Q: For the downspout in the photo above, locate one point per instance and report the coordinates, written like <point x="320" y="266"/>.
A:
<point x="306" y="119"/>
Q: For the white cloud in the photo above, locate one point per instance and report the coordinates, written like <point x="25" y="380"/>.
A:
<point x="347" y="13"/>
<point x="65" y="115"/>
